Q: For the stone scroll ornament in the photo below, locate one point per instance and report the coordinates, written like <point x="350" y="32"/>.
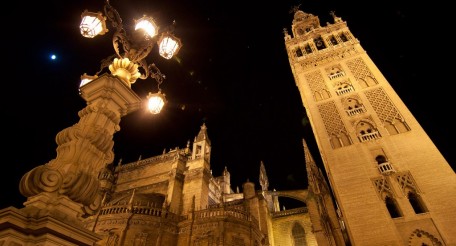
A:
<point x="83" y="150"/>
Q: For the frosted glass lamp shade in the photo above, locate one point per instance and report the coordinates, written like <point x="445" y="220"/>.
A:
<point x="169" y="45"/>
<point x="92" y="24"/>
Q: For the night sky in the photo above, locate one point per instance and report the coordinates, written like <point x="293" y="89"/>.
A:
<point x="232" y="74"/>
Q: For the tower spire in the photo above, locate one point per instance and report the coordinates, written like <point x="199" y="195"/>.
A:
<point x="307" y="154"/>
<point x="202" y="144"/>
<point x="264" y="182"/>
<point x="314" y="176"/>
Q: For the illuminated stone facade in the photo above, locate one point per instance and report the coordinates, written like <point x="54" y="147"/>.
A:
<point x="391" y="184"/>
<point x="173" y="199"/>
<point x="388" y="183"/>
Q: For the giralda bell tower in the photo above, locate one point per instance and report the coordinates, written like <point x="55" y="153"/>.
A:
<point x="391" y="184"/>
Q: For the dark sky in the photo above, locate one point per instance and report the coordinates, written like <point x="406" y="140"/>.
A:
<point x="232" y="74"/>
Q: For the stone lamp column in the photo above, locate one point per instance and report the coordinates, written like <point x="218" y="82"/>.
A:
<point x="68" y="185"/>
<point x="62" y="192"/>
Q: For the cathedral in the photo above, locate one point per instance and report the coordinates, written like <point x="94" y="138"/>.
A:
<point x="383" y="181"/>
<point x="173" y="199"/>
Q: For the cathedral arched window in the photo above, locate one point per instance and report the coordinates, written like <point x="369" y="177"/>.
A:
<point x="416" y="202"/>
<point x="299" y="235"/>
<point x="392" y="207"/>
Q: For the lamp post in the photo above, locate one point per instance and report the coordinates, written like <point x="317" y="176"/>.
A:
<point x="129" y="62"/>
<point x="68" y="186"/>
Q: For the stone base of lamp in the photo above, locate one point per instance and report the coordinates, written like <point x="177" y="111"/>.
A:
<point x="34" y="226"/>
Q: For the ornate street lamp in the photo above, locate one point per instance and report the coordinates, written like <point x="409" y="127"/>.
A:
<point x="129" y="62"/>
<point x="68" y="185"/>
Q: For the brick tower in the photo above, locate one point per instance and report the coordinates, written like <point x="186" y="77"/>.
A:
<point x="390" y="182"/>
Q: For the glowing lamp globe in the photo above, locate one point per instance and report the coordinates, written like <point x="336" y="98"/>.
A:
<point x="168" y="45"/>
<point x="155" y="102"/>
<point x="147" y="24"/>
<point x="92" y="24"/>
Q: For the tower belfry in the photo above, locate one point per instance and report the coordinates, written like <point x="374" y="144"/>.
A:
<point x="390" y="182"/>
<point x="202" y="144"/>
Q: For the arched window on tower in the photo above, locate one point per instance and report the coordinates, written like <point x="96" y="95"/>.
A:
<point x="333" y="40"/>
<point x="344" y="88"/>
<point x="416" y="202"/>
<point x="396" y="126"/>
<point x="392" y="207"/>
<point x="299" y="235"/>
<point x="298" y="52"/>
<point x="335" y="72"/>
<point x="366" y="131"/>
<point x="308" y="49"/>
<point x="380" y="159"/>
<point x="319" y="43"/>
<point x="353" y="107"/>
<point x="343" y="37"/>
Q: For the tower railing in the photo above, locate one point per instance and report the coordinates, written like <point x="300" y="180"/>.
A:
<point x="369" y="136"/>
<point x="355" y="111"/>
<point x="336" y="75"/>
<point x="143" y="210"/>
<point x="223" y="213"/>
<point x="344" y="90"/>
<point x="385" y="168"/>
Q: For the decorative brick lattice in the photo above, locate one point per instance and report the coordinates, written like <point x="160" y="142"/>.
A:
<point x="382" y="105"/>
<point x="359" y="69"/>
<point x="405" y="181"/>
<point x="383" y="186"/>
<point x="331" y="118"/>
<point x="316" y="81"/>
